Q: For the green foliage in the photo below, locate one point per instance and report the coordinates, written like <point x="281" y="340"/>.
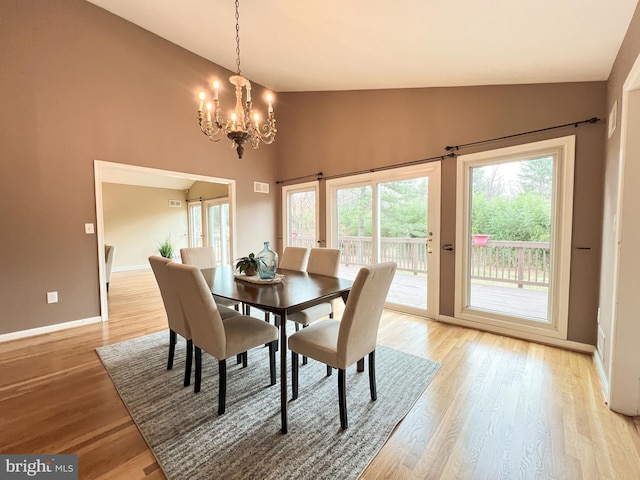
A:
<point x="524" y="218"/>
<point x="247" y="265"/>
<point x="537" y="176"/>
<point x="165" y="248"/>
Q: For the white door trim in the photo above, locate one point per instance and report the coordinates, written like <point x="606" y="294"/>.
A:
<point x="100" y="167"/>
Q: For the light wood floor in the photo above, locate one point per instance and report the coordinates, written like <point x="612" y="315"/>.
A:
<point x="498" y="407"/>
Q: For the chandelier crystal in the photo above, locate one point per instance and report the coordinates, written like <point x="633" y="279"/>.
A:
<point x="243" y="126"/>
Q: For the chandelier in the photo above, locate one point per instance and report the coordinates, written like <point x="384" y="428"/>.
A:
<point x="243" y="126"/>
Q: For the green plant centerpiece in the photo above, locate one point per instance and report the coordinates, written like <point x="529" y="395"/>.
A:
<point x="165" y="248"/>
<point x="248" y="265"/>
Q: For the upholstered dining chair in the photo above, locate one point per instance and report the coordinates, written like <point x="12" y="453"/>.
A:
<point x="204" y="257"/>
<point x="109" y="252"/>
<point x="209" y="333"/>
<point x="340" y="344"/>
<point x="175" y="316"/>
<point x="293" y="258"/>
<point x="322" y="261"/>
<point x="177" y="323"/>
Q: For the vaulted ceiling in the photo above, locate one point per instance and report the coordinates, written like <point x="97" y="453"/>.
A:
<point x="311" y="45"/>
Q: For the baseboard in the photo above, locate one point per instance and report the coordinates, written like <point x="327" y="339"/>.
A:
<point x="128" y="268"/>
<point x="604" y="382"/>
<point x="532" y="337"/>
<point x="48" y="329"/>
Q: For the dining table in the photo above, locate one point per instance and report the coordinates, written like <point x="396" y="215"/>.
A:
<point x="292" y="292"/>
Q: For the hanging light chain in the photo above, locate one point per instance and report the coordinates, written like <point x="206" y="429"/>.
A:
<point x="238" y="36"/>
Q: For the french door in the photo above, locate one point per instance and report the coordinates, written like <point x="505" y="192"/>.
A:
<point x="300" y="207"/>
<point x="513" y="248"/>
<point x="209" y="225"/>
<point x="391" y="216"/>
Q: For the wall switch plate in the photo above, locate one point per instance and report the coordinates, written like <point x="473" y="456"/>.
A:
<point x="52" y="297"/>
<point x="88" y="228"/>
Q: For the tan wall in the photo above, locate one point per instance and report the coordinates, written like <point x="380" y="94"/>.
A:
<point x="206" y="191"/>
<point x="137" y="219"/>
<point x="627" y="55"/>
<point x="80" y="84"/>
<point x="341" y="132"/>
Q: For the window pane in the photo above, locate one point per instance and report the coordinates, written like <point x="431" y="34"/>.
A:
<point x="511" y="205"/>
<point x="302" y="219"/>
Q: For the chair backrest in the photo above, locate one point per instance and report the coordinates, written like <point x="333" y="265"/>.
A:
<point x="175" y="315"/>
<point x="361" y="317"/>
<point x="294" y="258"/>
<point x="109" y="251"/>
<point x="199" y="307"/>
<point x="324" y="261"/>
<point x="201" y="257"/>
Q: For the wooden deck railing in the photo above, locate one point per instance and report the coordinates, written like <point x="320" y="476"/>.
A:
<point x="521" y="263"/>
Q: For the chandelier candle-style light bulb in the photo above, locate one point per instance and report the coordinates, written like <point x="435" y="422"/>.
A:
<point x="243" y="126"/>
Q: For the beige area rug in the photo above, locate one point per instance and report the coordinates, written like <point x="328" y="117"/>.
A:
<point x="190" y="440"/>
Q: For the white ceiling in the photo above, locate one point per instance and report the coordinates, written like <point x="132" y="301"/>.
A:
<point x="310" y="45"/>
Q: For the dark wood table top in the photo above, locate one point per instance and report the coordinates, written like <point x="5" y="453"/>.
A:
<point x="298" y="290"/>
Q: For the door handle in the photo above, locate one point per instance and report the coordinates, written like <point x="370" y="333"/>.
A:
<point x="448" y="247"/>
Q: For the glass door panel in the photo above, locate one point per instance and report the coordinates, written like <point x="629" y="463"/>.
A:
<point x="354" y="215"/>
<point x="301" y="218"/>
<point x="218" y="231"/>
<point x="403" y="237"/>
<point x="195" y="225"/>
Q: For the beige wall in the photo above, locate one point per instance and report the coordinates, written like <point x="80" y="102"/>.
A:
<point x="206" y="191"/>
<point x="80" y="84"/>
<point x="137" y="219"/>
<point x="340" y="132"/>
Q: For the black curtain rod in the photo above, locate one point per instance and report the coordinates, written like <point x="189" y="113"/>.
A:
<point x="371" y="170"/>
<point x="481" y="142"/>
<point x="200" y="199"/>
<point x="317" y="175"/>
<point x="451" y="149"/>
<point x="391" y="167"/>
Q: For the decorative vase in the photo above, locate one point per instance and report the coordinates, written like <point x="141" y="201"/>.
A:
<point x="267" y="262"/>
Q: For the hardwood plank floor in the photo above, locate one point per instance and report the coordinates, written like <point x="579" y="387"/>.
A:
<point x="499" y="408"/>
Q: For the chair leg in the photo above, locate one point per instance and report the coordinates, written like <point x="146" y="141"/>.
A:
<point x="247" y="310"/>
<point x="361" y="365"/>
<point x="272" y="361"/>
<point x="304" y="359"/>
<point x="196" y="386"/>
<point x="222" y="389"/>
<point x="342" y="398"/>
<point x="329" y="371"/>
<point x="267" y="317"/>
<point x="172" y="348"/>
<point x="239" y="358"/>
<point x="294" y="375"/>
<point x="372" y="375"/>
<point x="187" y="368"/>
<point x="245" y="359"/>
<point x="237" y="307"/>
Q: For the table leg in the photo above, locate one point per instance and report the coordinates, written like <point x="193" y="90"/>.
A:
<point x="283" y="370"/>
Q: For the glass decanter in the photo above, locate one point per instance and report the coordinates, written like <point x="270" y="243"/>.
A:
<point x="267" y="262"/>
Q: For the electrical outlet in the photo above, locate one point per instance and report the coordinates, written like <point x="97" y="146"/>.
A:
<point x="88" y="228"/>
<point x="52" y="297"/>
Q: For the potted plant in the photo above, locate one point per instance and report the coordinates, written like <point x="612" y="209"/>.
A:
<point x="165" y="249"/>
<point x="247" y="265"/>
